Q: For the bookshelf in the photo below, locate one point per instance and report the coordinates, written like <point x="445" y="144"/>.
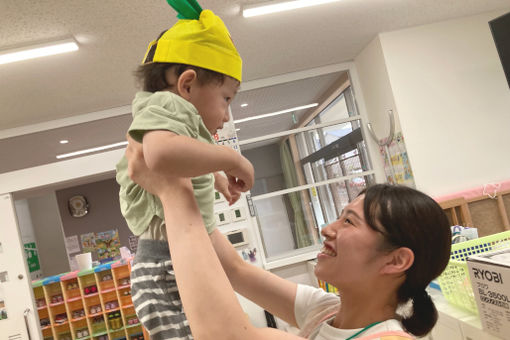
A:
<point x="89" y="304"/>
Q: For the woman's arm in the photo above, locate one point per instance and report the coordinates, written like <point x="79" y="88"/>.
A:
<point x="210" y="304"/>
<point x="266" y="289"/>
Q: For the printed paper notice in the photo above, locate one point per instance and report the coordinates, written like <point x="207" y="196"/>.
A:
<point x="72" y="244"/>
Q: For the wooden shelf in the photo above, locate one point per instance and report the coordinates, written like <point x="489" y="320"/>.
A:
<point x="99" y="334"/>
<point x="95" y="314"/>
<point x="76" y="298"/>
<point x="134" y="325"/>
<point x="78" y="319"/>
<point x="108" y="290"/>
<point x="49" y="287"/>
<point x="112" y="310"/>
<point x="90" y="295"/>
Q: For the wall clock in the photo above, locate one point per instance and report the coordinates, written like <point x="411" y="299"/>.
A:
<point x="78" y="206"/>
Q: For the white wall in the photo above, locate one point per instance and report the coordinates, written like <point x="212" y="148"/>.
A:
<point x="452" y="99"/>
<point x="453" y="102"/>
<point x="49" y="234"/>
<point x="26" y="229"/>
<point x="376" y="87"/>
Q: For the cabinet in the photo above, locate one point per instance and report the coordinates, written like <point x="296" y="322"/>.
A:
<point x="90" y="304"/>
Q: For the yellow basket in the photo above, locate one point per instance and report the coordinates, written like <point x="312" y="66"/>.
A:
<point x="454" y="281"/>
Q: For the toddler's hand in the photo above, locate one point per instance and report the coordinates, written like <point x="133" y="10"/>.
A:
<point x="241" y="177"/>
<point x="222" y="186"/>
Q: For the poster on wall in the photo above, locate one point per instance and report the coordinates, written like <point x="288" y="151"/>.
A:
<point x="107" y="244"/>
<point x="32" y="257"/>
<point x="3" y="308"/>
<point x="88" y="242"/>
<point x="72" y="244"/>
<point x="396" y="162"/>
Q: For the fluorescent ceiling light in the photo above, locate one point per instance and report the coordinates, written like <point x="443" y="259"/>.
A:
<point x="276" y="113"/>
<point x="64" y="141"/>
<point x="272" y="7"/>
<point x="99" y="148"/>
<point x="36" y="51"/>
<point x="244" y="105"/>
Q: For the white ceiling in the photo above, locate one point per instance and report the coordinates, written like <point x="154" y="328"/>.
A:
<point x="113" y="36"/>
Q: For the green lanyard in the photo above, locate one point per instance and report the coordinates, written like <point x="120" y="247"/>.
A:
<point x="364" y="329"/>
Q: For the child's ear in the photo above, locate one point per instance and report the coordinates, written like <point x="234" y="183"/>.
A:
<point x="185" y="82"/>
<point x="398" y="261"/>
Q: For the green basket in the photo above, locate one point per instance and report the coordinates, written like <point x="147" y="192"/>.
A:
<point x="454" y="281"/>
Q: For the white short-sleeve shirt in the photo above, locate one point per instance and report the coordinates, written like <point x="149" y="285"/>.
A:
<point x="311" y="302"/>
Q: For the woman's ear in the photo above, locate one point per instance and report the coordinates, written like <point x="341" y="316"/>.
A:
<point x="185" y="82"/>
<point x="398" y="261"/>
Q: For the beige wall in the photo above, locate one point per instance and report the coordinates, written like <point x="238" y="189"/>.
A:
<point x="104" y="211"/>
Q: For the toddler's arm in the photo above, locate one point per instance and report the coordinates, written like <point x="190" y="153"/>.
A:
<point x="184" y="156"/>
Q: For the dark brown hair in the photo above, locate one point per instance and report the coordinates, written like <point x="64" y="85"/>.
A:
<point x="152" y="76"/>
<point x="409" y="218"/>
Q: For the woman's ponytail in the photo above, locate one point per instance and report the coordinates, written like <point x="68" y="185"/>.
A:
<point x="411" y="219"/>
<point x="424" y="315"/>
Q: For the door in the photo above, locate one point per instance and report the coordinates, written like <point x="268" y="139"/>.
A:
<point x="16" y="295"/>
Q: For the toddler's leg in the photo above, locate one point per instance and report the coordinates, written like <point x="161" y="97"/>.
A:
<point x="154" y="292"/>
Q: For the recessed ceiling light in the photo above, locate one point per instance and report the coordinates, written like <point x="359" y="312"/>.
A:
<point x="99" y="148"/>
<point x="244" y="105"/>
<point x="64" y="141"/>
<point x="36" y="51"/>
<point x="274" y="7"/>
<point x="238" y="130"/>
<point x="297" y="108"/>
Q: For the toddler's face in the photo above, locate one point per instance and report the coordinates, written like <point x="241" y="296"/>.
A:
<point x="212" y="102"/>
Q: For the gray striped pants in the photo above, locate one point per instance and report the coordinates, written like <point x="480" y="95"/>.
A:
<point x="154" y="292"/>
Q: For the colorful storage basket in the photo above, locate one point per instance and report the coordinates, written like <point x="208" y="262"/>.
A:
<point x="454" y="281"/>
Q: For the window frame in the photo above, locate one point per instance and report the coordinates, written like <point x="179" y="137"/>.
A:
<point x="369" y="152"/>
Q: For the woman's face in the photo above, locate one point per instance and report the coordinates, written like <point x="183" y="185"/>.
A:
<point x="350" y="256"/>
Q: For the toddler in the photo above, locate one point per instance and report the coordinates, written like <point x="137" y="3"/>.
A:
<point x="190" y="75"/>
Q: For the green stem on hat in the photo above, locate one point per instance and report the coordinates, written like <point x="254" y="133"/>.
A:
<point x="186" y="9"/>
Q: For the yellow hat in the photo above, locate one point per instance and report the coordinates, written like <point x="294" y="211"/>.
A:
<point x="205" y="43"/>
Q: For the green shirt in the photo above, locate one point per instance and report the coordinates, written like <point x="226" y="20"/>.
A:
<point x="163" y="111"/>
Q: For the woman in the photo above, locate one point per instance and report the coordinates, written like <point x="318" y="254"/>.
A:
<point x="382" y="252"/>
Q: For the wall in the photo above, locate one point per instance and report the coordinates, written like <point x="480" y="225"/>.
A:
<point x="104" y="211"/>
<point x="376" y="87"/>
<point x="453" y="102"/>
<point x="26" y="229"/>
<point x="268" y="168"/>
<point x="48" y="233"/>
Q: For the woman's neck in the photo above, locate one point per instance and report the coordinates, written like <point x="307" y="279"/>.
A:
<point x="356" y="312"/>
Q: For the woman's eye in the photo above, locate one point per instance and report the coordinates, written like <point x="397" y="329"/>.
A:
<point x="348" y="221"/>
<point x="227" y="99"/>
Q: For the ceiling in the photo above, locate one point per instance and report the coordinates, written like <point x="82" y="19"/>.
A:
<point x="113" y="36"/>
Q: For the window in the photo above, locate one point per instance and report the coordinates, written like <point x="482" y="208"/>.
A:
<point x="306" y="174"/>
